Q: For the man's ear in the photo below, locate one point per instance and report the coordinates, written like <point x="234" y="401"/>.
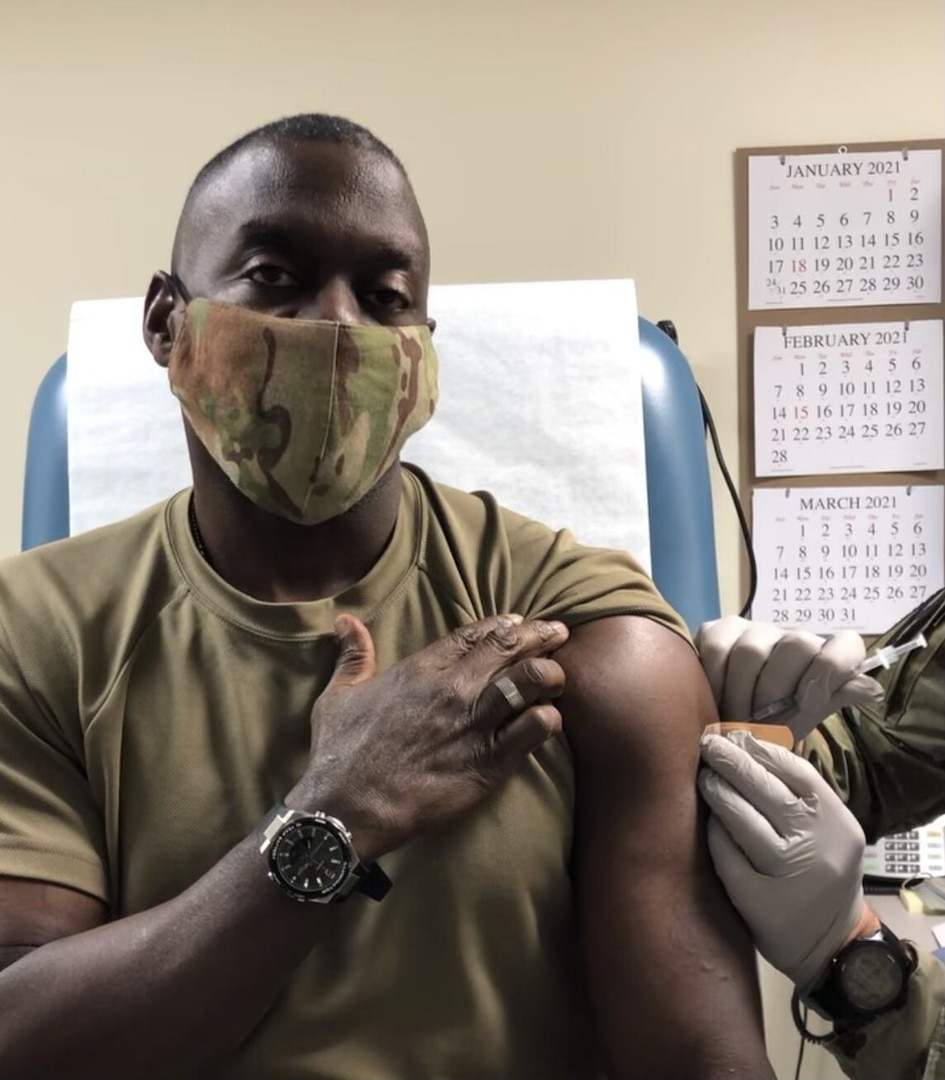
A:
<point x="432" y="324"/>
<point x="161" y="317"/>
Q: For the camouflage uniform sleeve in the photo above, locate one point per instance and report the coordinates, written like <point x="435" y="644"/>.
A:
<point x="887" y="761"/>
<point x="908" y="1044"/>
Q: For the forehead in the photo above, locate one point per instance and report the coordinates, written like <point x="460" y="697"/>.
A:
<point x="334" y="190"/>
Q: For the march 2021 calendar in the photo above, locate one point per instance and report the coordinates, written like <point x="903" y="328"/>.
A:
<point x="856" y="558"/>
<point x="849" y="398"/>
<point x="844" y="229"/>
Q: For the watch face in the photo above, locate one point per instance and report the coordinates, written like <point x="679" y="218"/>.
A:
<point x="310" y="858"/>
<point x="871" y="976"/>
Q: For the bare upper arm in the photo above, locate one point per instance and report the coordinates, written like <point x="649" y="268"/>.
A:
<point x="670" y="966"/>
<point x="33" y="913"/>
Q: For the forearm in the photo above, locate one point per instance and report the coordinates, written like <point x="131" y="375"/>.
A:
<point x="167" y="992"/>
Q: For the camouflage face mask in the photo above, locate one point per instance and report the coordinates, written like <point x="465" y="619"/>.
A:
<point x="303" y="416"/>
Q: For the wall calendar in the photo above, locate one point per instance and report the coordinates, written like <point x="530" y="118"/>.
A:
<point x="845" y="229"/>
<point x="849" y="398"/>
<point x="855" y="558"/>
<point x="841" y="368"/>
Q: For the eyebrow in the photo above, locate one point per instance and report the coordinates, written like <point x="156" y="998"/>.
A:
<point x="264" y="232"/>
<point x="260" y="231"/>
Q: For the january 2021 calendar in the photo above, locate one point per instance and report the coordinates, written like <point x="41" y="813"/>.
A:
<point x="849" y="398"/>
<point x="846" y="558"/>
<point x="844" y="229"/>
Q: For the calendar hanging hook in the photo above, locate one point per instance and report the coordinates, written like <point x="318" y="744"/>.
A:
<point x="841" y="149"/>
<point x="905" y="153"/>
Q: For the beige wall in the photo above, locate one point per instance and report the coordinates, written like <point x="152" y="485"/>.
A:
<point x="546" y="138"/>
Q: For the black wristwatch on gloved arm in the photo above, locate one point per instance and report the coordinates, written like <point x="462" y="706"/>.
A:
<point x="312" y="858"/>
<point x="867" y="978"/>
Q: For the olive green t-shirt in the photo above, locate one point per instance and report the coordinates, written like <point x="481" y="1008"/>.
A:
<point x="150" y="715"/>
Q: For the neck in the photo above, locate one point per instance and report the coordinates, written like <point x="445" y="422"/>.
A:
<point x="278" y="561"/>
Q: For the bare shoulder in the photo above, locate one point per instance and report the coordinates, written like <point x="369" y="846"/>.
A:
<point x="635" y="691"/>
<point x="34" y="913"/>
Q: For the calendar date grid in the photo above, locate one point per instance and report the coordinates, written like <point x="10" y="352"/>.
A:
<point x="850" y="398"/>
<point x="831" y="258"/>
<point x="828" y="571"/>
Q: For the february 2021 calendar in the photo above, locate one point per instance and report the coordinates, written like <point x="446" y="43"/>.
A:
<point x="856" y="558"/>
<point x="844" y="229"/>
<point x="849" y="398"/>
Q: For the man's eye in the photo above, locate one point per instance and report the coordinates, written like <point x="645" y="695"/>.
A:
<point x="389" y="298"/>
<point x="270" y="275"/>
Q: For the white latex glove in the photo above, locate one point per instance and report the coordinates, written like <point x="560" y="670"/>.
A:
<point x="788" y="852"/>
<point x="752" y="665"/>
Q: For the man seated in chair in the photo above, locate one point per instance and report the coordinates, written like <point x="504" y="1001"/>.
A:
<point x="323" y="769"/>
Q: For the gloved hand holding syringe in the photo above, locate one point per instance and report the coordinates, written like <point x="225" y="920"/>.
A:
<point x="771" y="676"/>
<point x="884" y="657"/>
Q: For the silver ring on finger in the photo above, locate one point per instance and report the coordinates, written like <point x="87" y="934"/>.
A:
<point x="510" y="692"/>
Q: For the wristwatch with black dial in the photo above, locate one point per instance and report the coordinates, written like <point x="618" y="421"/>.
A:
<point x="869" y="976"/>
<point x="312" y="858"/>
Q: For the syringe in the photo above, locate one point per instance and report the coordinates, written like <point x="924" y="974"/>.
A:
<point x="889" y="654"/>
<point x="882" y="658"/>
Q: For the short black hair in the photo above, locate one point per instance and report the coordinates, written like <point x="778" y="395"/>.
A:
<point x="303" y="127"/>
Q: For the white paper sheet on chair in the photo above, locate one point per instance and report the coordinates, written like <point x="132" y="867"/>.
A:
<point x="540" y="403"/>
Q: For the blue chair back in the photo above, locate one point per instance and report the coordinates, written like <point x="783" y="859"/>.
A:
<point x="46" y="487"/>
<point x="682" y="536"/>
<point x="679" y="491"/>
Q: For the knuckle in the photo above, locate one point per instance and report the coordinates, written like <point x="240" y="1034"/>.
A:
<point x="535" y="671"/>
<point x="467" y="637"/>
<point x="543" y="674"/>
<point x="498" y="632"/>
<point x="545" y="630"/>
<point x="802" y="642"/>
<point x="503" y="638"/>
<point x="752" y="649"/>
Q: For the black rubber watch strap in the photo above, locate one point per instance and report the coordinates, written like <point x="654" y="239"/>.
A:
<point x="375" y="883"/>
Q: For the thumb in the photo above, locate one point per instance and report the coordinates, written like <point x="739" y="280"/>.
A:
<point x="356" y="660"/>
<point x="860" y="690"/>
